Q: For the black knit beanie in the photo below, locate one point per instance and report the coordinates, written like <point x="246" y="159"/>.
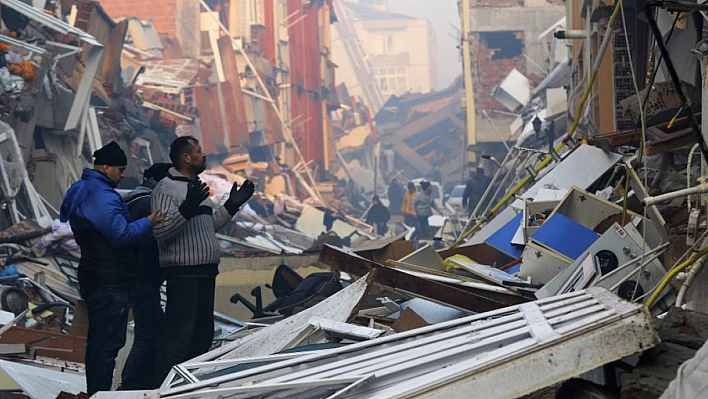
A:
<point x="155" y="173"/>
<point x="111" y="155"/>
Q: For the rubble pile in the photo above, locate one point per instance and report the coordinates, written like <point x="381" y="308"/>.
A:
<point x="582" y="243"/>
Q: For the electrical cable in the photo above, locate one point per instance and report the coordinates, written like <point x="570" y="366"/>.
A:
<point x="671" y="274"/>
<point x="642" y="116"/>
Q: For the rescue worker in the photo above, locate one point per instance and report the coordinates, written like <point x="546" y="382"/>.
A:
<point x="378" y="215"/>
<point x="407" y="207"/>
<point x="395" y="196"/>
<point x="474" y="189"/>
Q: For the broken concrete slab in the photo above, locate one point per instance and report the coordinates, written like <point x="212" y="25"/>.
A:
<point x="449" y="291"/>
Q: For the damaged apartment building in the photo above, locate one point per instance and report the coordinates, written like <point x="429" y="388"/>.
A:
<point x="512" y="57"/>
<point x="238" y="73"/>
<point x="516" y="69"/>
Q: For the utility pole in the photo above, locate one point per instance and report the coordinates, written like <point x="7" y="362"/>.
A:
<point x="471" y="136"/>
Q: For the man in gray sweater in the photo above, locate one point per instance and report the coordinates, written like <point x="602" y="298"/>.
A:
<point x="423" y="205"/>
<point x="189" y="253"/>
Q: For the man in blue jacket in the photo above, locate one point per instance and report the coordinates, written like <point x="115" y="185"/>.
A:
<point x="99" y="219"/>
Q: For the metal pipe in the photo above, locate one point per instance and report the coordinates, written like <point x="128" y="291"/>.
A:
<point x="571" y="34"/>
<point x="695" y="269"/>
<point x="699" y="189"/>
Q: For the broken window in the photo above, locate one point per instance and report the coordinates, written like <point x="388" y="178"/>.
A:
<point x="507" y="44"/>
<point x="383" y="84"/>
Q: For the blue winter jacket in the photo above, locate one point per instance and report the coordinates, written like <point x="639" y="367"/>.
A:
<point x="100" y="219"/>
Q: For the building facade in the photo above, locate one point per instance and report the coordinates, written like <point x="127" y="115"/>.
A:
<point x="257" y="53"/>
<point x="399" y="49"/>
<point x="506" y="38"/>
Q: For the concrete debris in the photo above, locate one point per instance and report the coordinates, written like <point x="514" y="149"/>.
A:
<point x="445" y="359"/>
<point x="572" y="195"/>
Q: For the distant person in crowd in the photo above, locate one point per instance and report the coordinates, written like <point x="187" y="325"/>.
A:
<point x="99" y="219"/>
<point x="353" y="195"/>
<point x="378" y="216"/>
<point x="436" y="175"/>
<point x="145" y="292"/>
<point x="407" y="210"/>
<point x="423" y="204"/>
<point x="474" y="189"/>
<point x="189" y="253"/>
<point x="395" y="196"/>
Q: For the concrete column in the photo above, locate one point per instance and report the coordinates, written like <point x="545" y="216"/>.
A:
<point x="187" y="26"/>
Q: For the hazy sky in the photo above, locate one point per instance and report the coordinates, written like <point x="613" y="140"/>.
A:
<point x="445" y="18"/>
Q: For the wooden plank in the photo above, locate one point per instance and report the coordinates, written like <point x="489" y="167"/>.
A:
<point x="465" y="298"/>
<point x="58" y="346"/>
<point x="408" y="320"/>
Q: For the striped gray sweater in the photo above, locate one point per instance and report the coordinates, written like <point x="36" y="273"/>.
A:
<point x="185" y="242"/>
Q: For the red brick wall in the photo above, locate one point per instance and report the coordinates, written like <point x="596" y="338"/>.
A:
<point x="162" y="12"/>
<point x="489" y="72"/>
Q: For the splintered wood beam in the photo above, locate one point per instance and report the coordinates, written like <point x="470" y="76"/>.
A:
<point x="459" y="297"/>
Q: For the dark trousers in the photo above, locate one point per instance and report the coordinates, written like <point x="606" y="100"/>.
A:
<point x="381" y="228"/>
<point x="147" y="313"/>
<point x="422" y="229"/>
<point x="188" y="330"/>
<point x="108" y="320"/>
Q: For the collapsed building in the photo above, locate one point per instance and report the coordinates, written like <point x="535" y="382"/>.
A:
<point x="511" y="50"/>
<point x="559" y="273"/>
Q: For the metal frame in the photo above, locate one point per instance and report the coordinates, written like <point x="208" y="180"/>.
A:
<point x="560" y="336"/>
<point x="39" y="210"/>
<point x="93" y="56"/>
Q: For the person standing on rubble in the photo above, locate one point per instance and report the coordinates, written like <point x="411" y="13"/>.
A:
<point x="145" y="293"/>
<point x="99" y="219"/>
<point x="423" y="204"/>
<point x="474" y="189"/>
<point x="189" y="253"/>
<point x="395" y="196"/>
<point x="407" y="210"/>
<point x="378" y="215"/>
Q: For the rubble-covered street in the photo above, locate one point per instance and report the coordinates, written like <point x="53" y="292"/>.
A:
<point x="534" y="227"/>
